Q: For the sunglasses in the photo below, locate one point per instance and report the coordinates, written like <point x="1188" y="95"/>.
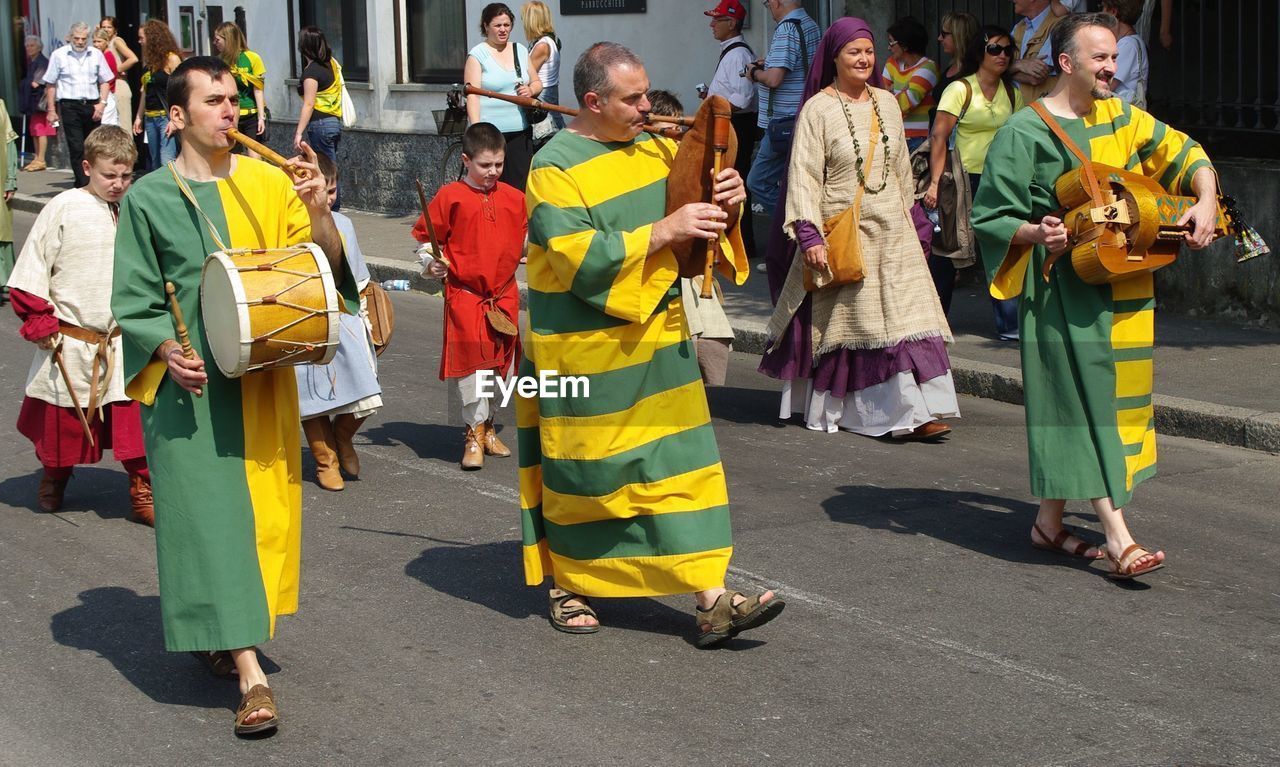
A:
<point x="892" y="43"/>
<point x="996" y="50"/>
<point x="944" y="33"/>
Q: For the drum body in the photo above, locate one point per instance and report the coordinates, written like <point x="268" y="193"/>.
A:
<point x="266" y="308"/>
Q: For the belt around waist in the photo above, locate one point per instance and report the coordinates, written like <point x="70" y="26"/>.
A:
<point x="244" y="112"/>
<point x="84" y="334"/>
<point x="155" y="113"/>
<point x="78" y="101"/>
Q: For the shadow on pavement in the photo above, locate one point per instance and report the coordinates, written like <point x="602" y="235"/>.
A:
<point x="104" y="492"/>
<point x="427" y="440"/>
<point x="751" y="407"/>
<point x="987" y="524"/>
<point x="124" y="628"/>
<point x="488" y="574"/>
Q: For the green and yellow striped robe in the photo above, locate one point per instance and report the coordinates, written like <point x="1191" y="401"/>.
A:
<point x="622" y="493"/>
<point x="225" y="467"/>
<point x="1086" y="349"/>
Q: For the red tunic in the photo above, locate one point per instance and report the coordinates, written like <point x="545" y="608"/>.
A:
<point x="56" y="431"/>
<point x="482" y="235"/>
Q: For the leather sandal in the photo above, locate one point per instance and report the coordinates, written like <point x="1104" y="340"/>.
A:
<point x="1124" y="566"/>
<point x="258" y="697"/>
<point x="1057" y="543"/>
<point x="725" y="620"/>
<point x="562" y="614"/>
<point x="218" y="662"/>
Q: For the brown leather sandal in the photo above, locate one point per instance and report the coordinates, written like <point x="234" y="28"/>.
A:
<point x="1057" y="543"/>
<point x="561" y="615"/>
<point x="1124" y="566"/>
<point x="725" y="620"/>
<point x="258" y="697"/>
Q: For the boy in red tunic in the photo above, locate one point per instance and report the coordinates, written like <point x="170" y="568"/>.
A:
<point x="481" y="226"/>
<point x="75" y="406"/>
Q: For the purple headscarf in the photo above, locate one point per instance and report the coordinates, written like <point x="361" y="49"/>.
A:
<point x="823" y="71"/>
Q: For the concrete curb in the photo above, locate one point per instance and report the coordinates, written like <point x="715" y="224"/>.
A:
<point x="1175" y="416"/>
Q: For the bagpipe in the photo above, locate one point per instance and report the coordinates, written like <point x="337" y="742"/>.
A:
<point x="708" y="144"/>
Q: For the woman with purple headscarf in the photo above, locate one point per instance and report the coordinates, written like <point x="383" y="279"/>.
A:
<point x="868" y="357"/>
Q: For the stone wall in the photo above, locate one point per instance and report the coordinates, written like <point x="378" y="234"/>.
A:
<point x="1210" y="283"/>
<point x="378" y="169"/>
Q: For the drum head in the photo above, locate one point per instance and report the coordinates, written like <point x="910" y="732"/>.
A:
<point x="225" y="314"/>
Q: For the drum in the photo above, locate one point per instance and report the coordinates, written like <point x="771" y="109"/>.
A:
<point x="267" y="308"/>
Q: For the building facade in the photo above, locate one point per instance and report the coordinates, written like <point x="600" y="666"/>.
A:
<point x="402" y="57"/>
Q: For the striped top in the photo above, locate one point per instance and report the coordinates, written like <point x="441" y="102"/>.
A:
<point x="913" y="88"/>
<point x="622" y="492"/>
<point x="785" y="51"/>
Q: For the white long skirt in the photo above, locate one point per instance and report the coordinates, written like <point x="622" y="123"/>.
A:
<point x="894" y="407"/>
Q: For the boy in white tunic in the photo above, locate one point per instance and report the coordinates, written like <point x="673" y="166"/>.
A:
<point x="75" y="406"/>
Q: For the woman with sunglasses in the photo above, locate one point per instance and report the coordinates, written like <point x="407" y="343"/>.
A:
<point x="974" y="107"/>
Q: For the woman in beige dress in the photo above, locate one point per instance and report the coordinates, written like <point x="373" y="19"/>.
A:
<point x="868" y="356"/>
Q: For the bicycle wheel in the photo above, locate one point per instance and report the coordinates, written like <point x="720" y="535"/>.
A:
<point x="451" y="165"/>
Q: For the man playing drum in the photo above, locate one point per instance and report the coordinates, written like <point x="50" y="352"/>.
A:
<point x="225" y="453"/>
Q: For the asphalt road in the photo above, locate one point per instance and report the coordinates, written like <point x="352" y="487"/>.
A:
<point x="921" y="628"/>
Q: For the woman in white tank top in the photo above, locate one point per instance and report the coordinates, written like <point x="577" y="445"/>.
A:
<point x="544" y="52"/>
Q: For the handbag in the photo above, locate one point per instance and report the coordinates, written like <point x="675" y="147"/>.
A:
<point x="844" y="242"/>
<point x="953" y="235"/>
<point x="348" y="106"/>
<point x="381" y="316"/>
<point x="533" y="115"/>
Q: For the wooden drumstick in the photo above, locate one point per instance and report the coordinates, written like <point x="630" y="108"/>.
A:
<point x="183" y="337"/>
<point x="721" y="127"/>
<point x="268" y="154"/>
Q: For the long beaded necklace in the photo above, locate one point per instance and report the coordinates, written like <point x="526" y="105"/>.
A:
<point x="857" y="146"/>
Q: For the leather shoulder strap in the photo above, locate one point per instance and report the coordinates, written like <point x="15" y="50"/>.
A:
<point x="734" y="47"/>
<point x="1086" y="165"/>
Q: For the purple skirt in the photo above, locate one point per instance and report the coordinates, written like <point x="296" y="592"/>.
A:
<point x="846" y="370"/>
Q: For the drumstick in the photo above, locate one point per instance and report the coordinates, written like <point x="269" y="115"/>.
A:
<point x="720" y="144"/>
<point x="268" y="154"/>
<point x="183" y="337"/>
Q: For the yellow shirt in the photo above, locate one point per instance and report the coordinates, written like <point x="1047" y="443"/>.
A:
<point x="978" y="127"/>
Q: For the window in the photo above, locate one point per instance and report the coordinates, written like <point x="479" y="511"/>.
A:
<point x="346" y="27"/>
<point x="437" y="40"/>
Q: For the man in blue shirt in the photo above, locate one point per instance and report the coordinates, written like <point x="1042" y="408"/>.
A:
<point x="779" y="80"/>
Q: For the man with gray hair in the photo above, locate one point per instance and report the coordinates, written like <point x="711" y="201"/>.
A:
<point x="621" y="489"/>
<point x="77" y="78"/>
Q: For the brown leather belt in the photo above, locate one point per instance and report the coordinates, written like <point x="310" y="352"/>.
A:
<point x="100" y="378"/>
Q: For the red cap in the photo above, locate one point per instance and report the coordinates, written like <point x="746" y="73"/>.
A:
<point x="731" y="8"/>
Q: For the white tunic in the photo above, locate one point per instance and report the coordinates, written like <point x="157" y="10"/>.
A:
<point x="68" y="260"/>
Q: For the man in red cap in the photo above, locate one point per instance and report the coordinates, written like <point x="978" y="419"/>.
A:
<point x="731" y="82"/>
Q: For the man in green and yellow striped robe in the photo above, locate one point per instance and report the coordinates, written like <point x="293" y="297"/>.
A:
<point x="1086" y="349"/>
<point x="622" y="492"/>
